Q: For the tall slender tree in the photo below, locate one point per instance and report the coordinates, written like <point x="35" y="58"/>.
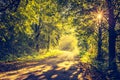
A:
<point x="112" y="18"/>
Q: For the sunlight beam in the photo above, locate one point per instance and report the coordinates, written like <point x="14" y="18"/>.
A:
<point x="99" y="16"/>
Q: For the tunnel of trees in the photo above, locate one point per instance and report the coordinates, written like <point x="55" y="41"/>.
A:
<point x="28" y="26"/>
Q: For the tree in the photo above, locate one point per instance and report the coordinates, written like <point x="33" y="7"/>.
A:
<point x="112" y="33"/>
<point x="83" y="9"/>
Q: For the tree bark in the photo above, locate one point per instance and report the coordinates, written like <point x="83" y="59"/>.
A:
<point x="112" y="35"/>
<point x="48" y="45"/>
<point x="99" y="56"/>
<point x="112" y="42"/>
<point x="37" y="37"/>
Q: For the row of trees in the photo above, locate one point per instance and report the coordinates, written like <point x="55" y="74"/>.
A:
<point x="98" y="37"/>
<point x="27" y="26"/>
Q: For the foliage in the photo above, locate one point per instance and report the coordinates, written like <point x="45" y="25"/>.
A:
<point x="36" y="25"/>
<point x="19" y="29"/>
<point x="40" y="56"/>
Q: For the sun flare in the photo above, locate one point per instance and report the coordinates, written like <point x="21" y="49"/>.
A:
<point x="99" y="16"/>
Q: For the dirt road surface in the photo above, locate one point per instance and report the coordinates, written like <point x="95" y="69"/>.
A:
<point x="62" y="67"/>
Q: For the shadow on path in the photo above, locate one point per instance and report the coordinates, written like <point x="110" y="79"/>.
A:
<point x="57" y="68"/>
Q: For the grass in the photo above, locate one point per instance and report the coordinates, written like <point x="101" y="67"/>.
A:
<point x="34" y="56"/>
<point x="88" y="57"/>
<point x="40" y="56"/>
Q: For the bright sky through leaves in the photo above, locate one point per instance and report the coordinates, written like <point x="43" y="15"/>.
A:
<point x="99" y="16"/>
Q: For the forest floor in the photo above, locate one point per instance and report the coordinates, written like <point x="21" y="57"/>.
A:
<point x="63" y="67"/>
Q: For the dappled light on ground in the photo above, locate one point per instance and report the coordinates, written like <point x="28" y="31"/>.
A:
<point x="66" y="64"/>
<point x="24" y="72"/>
<point x="57" y="68"/>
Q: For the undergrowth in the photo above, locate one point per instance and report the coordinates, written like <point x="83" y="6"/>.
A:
<point x="33" y="56"/>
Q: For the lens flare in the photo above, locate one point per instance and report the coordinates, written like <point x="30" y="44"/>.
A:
<point x="99" y="16"/>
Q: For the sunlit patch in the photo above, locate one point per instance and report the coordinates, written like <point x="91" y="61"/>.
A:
<point x="13" y="77"/>
<point x="2" y="75"/>
<point x="54" y="76"/>
<point x="74" y="72"/>
<point x="78" y="69"/>
<point x="21" y="77"/>
<point x="47" y="68"/>
<point x="38" y="73"/>
<point x="71" y="76"/>
<point x="9" y="75"/>
<point x="12" y="73"/>
<point x="50" y="53"/>
<point x="22" y="73"/>
<point x="87" y="58"/>
<point x="42" y="77"/>
<point x="32" y="63"/>
<point x="66" y="64"/>
<point x="80" y="77"/>
<point x="59" y="68"/>
<point x="88" y="77"/>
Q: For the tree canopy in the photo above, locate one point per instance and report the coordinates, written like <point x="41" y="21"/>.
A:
<point x="28" y="26"/>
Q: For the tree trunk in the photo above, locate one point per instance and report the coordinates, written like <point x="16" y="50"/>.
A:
<point x="112" y="51"/>
<point x="99" y="56"/>
<point x="37" y="37"/>
<point x="112" y="41"/>
<point x="112" y="35"/>
<point x="48" y="45"/>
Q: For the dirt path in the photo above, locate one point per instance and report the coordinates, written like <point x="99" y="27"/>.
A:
<point x="63" y="67"/>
